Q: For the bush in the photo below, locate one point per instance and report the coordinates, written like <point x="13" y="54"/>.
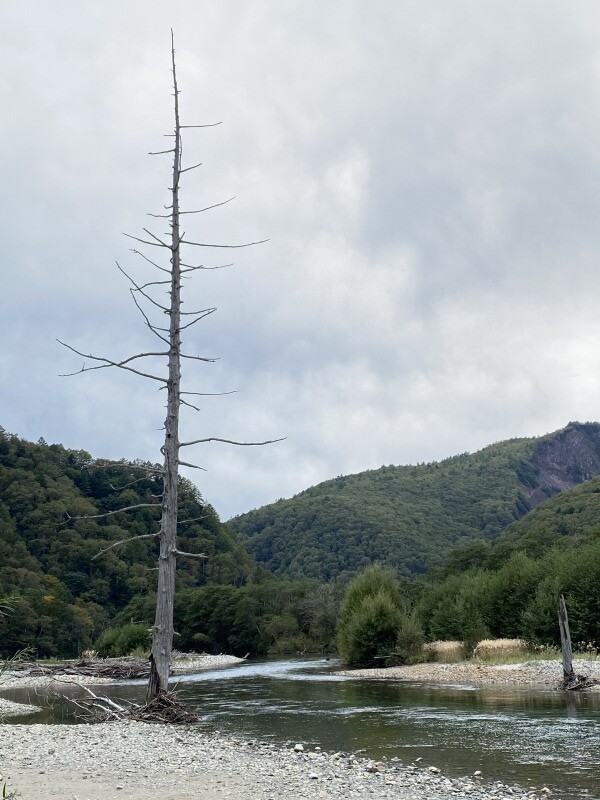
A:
<point x="122" y="640"/>
<point x="370" y="618"/>
<point x="409" y="642"/>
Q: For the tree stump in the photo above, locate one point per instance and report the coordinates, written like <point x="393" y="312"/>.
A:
<point x="570" y="680"/>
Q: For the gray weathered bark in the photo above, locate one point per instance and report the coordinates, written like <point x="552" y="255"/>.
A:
<point x="569" y="678"/>
<point x="162" y="631"/>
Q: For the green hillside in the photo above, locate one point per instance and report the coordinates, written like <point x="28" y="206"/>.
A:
<point x="574" y="513"/>
<point x="510" y="588"/>
<point x="409" y="518"/>
<point x="61" y="596"/>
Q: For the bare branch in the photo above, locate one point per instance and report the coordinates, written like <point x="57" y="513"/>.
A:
<point x="187" y="169"/>
<point x="224" y="246"/>
<point x="160" y="241"/>
<point x="141" y="291"/>
<point x="108" y="363"/>
<point x="210" y="394"/>
<point x="154" y="264"/>
<point x="124" y="541"/>
<point x="154" y="328"/>
<point x="143" y="241"/>
<point x="192" y="519"/>
<point x="160" y="152"/>
<point x="231" y="441"/>
<point x="190" y="555"/>
<point x="154" y="283"/>
<point x="199" y="311"/>
<point x="203" y="315"/>
<point x="189" y="405"/>
<point x="208" y="208"/>
<point x="200" y="358"/>
<point x="192" y="466"/>
<point x="209" y="125"/>
<point x="190" y="268"/>
<point x="117" y="511"/>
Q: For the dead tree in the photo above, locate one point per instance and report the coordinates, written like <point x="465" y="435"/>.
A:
<point x="569" y="677"/>
<point x="179" y="321"/>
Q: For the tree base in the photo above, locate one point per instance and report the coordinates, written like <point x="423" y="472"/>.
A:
<point x="165" y="708"/>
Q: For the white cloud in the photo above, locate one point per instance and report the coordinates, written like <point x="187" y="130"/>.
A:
<point x="427" y="175"/>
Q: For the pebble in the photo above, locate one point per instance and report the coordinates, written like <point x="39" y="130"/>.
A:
<point x="186" y="754"/>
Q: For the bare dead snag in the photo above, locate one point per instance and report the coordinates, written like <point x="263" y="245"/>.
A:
<point x="569" y="678"/>
<point x="147" y="305"/>
<point x="571" y="681"/>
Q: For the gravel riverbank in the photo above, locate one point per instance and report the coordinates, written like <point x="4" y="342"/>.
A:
<point x="136" y="761"/>
<point x="132" y="760"/>
<point x="23" y="679"/>
<point x="545" y="674"/>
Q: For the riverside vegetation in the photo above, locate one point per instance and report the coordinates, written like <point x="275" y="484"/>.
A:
<point x="65" y="597"/>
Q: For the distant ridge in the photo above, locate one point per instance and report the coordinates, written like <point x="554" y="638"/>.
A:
<point x="409" y="517"/>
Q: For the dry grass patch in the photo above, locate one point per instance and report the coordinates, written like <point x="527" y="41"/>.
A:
<point x="500" y="649"/>
<point x="444" y="652"/>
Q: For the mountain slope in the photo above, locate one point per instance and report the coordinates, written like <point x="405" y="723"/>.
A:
<point x="410" y="517"/>
<point x="61" y="592"/>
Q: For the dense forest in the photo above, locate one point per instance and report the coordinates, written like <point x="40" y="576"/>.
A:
<point x="64" y="587"/>
<point x="511" y="587"/>
<point x="409" y="518"/>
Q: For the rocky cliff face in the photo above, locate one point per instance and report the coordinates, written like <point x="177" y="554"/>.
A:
<point x="564" y="459"/>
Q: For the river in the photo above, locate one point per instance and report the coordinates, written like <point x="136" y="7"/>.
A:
<point x="527" y="736"/>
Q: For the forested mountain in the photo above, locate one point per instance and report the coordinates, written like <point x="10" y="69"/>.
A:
<point x="409" y="518"/>
<point x="62" y="593"/>
<point x="511" y="587"/>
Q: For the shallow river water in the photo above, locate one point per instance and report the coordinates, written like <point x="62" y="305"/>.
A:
<point x="526" y="736"/>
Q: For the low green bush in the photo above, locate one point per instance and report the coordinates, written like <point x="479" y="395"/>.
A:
<point x="122" y="640"/>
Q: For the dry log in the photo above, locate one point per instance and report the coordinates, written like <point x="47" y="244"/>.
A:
<point x="111" y="668"/>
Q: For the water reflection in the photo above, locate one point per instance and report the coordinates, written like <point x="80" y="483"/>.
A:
<point x="531" y="737"/>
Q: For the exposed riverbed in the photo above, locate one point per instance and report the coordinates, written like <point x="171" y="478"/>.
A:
<point x="535" y="737"/>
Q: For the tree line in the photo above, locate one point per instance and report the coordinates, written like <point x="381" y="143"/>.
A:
<point x="66" y="595"/>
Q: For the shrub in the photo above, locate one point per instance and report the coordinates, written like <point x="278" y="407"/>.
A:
<point x="122" y="640"/>
<point x="369" y="618"/>
<point x="409" y="642"/>
<point x="370" y="632"/>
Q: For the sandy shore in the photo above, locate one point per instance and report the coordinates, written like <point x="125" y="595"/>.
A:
<point x="545" y="674"/>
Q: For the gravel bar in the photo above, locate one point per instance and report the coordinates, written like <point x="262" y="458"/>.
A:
<point x="135" y="760"/>
<point x="546" y="674"/>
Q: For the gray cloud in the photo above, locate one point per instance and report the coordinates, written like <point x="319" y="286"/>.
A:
<point x="427" y="175"/>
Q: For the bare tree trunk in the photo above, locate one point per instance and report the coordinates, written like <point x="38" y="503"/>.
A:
<point x="162" y="632"/>
<point x="569" y="678"/>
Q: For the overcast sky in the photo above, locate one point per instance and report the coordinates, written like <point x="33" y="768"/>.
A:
<point x="427" y="173"/>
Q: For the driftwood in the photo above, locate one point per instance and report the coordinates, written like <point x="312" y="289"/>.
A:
<point x="115" y="668"/>
<point x="165" y="707"/>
